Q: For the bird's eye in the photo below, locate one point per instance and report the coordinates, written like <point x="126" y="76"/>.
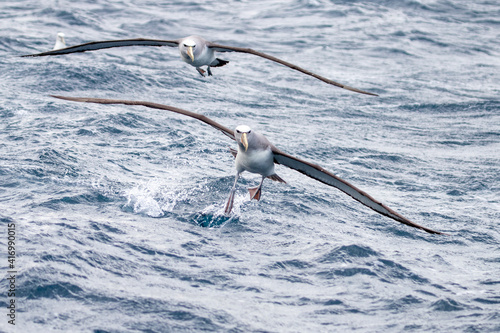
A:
<point x="238" y="131"/>
<point x="249" y="131"/>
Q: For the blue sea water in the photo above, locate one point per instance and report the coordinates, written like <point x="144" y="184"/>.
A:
<point x="118" y="210"/>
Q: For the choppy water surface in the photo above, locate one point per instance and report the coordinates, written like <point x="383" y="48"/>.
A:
<point x="118" y="210"/>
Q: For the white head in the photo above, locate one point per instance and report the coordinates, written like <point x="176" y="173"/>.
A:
<point x="60" y="42"/>
<point x="188" y="46"/>
<point x="189" y="42"/>
<point x="241" y="134"/>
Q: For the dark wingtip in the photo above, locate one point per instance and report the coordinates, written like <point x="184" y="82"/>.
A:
<point x="436" y="232"/>
<point x="37" y="54"/>
<point x="68" y="98"/>
<point x="360" y="91"/>
<point x="428" y="230"/>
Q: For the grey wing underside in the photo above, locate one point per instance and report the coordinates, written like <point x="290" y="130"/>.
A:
<point x="224" y="48"/>
<point x="198" y="116"/>
<point x="93" y="46"/>
<point x="316" y="172"/>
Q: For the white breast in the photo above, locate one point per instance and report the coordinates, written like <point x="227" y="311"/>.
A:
<point x="255" y="161"/>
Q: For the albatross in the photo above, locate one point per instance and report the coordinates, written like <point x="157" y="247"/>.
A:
<point x="195" y="51"/>
<point x="256" y="154"/>
<point x="60" y="42"/>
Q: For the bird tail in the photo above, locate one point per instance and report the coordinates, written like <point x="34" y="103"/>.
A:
<point x="218" y="63"/>
<point x="276" y="178"/>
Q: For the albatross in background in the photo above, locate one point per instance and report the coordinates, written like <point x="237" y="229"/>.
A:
<point x="256" y="154"/>
<point x="60" y="42"/>
<point x="194" y="50"/>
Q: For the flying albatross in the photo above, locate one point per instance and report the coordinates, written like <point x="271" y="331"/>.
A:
<point x="194" y="50"/>
<point x="256" y="154"/>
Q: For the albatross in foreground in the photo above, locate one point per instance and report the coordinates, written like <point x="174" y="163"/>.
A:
<point x="194" y="50"/>
<point x="256" y="154"/>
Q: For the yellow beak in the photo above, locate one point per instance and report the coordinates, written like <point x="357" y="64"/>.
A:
<point x="244" y="141"/>
<point x="190" y="53"/>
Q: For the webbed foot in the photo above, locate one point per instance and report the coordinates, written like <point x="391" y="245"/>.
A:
<point x="255" y="192"/>
<point x="201" y="71"/>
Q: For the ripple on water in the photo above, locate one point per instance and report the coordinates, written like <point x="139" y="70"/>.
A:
<point x="119" y="210"/>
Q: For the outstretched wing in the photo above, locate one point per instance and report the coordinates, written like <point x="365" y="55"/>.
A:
<point x="200" y="117"/>
<point x="92" y="46"/>
<point x="316" y="172"/>
<point x="309" y="169"/>
<point x="223" y="48"/>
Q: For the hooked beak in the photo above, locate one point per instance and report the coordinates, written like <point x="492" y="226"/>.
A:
<point x="244" y="141"/>
<point x="190" y="53"/>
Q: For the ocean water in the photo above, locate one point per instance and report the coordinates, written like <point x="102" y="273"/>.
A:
<point x="118" y="210"/>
